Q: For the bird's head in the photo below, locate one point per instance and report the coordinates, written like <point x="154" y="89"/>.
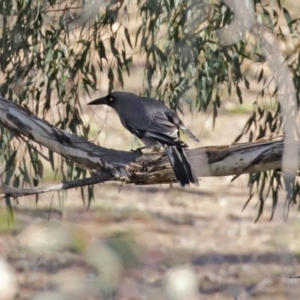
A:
<point x="108" y="100"/>
<point x="112" y="99"/>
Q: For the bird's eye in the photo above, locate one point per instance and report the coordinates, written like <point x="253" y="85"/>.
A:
<point x="110" y="99"/>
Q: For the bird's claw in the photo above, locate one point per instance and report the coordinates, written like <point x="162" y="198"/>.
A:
<point x="138" y="150"/>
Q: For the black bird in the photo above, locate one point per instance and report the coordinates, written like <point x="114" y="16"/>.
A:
<point x="154" y="123"/>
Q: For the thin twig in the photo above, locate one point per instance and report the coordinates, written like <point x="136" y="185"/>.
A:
<point x="27" y="142"/>
<point x="7" y="191"/>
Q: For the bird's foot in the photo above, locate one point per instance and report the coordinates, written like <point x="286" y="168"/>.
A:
<point x="138" y="150"/>
<point x="156" y="148"/>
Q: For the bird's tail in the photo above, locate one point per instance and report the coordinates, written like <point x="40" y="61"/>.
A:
<point x="189" y="134"/>
<point x="181" y="166"/>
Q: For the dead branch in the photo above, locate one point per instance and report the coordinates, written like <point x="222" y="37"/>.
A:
<point x="8" y="191"/>
<point x="130" y="167"/>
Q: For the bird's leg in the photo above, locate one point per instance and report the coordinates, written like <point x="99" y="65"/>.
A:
<point x="156" y="148"/>
<point x="138" y="150"/>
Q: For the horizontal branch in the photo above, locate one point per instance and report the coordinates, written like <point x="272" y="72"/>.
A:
<point x="130" y="167"/>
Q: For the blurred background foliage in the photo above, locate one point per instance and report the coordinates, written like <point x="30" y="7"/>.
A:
<point x="53" y="53"/>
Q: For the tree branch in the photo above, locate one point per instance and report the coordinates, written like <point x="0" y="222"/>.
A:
<point x="8" y="191"/>
<point x="130" y="167"/>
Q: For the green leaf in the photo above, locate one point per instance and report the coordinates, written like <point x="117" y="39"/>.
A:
<point x="261" y="74"/>
<point x="288" y="19"/>
<point x="127" y="35"/>
<point x="239" y="94"/>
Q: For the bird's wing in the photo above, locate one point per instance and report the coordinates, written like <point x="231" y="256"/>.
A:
<point x="161" y="123"/>
<point x="164" y="139"/>
<point x="158" y="128"/>
<point x="164" y="131"/>
<point x="173" y="118"/>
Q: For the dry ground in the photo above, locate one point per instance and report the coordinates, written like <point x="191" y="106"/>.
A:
<point x="150" y="242"/>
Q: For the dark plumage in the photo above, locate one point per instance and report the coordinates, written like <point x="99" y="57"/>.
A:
<point x="154" y="123"/>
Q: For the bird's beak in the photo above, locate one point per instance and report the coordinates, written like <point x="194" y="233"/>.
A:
<point x="98" y="101"/>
